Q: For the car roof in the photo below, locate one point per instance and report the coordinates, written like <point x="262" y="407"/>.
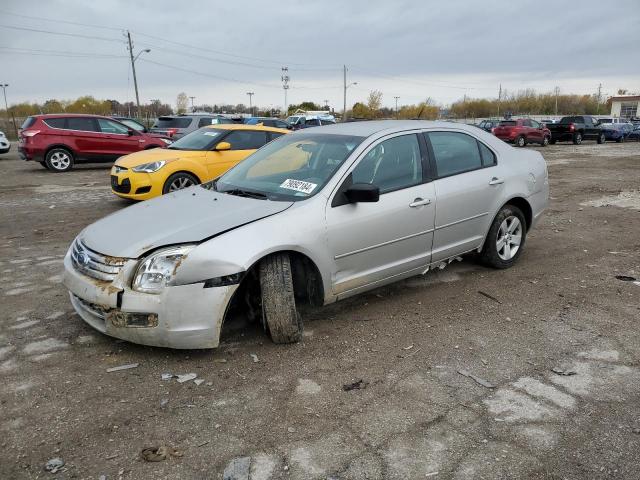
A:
<point x="368" y="128"/>
<point x="242" y="126"/>
<point x="47" y="115"/>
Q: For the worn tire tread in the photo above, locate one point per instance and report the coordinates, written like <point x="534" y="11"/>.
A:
<point x="278" y="299"/>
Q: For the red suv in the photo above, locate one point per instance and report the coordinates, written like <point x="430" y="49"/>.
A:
<point x="59" y="141"/>
<point x="522" y="131"/>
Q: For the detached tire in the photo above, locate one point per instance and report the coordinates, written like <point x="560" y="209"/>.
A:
<point x="505" y="240"/>
<point x="577" y="139"/>
<point x="278" y="300"/>
<point x="59" y="160"/>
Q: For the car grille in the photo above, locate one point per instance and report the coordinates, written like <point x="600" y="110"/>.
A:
<point x="124" y="187"/>
<point x="93" y="264"/>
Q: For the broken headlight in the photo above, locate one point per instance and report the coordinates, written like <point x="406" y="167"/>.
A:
<point x="158" y="269"/>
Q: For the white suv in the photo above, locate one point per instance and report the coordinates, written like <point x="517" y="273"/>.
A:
<point x="5" y="145"/>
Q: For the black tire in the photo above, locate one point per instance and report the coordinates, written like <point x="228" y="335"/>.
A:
<point x="577" y="138"/>
<point x="59" y="160"/>
<point x="545" y="141"/>
<point x="44" y="164"/>
<point x="179" y="178"/>
<point x="601" y="139"/>
<point x="552" y="141"/>
<point x="489" y="254"/>
<point x="620" y="140"/>
<point x="521" y="141"/>
<point x="278" y="300"/>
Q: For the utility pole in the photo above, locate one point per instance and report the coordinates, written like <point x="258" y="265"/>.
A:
<point x="326" y="104"/>
<point x="251" y="94"/>
<point x="396" y="107"/>
<point x="344" y="109"/>
<point x="133" y="67"/>
<point x="599" y="97"/>
<point x="6" y="106"/>
<point x="499" y="99"/>
<point x="285" y="86"/>
<point x="192" y="99"/>
<point x="557" y="92"/>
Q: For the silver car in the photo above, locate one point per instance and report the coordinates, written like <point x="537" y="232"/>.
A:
<point x="311" y="218"/>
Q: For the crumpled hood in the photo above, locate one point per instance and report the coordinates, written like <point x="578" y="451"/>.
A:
<point x="186" y="216"/>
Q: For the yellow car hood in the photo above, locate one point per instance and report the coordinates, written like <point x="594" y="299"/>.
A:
<point x="157" y="154"/>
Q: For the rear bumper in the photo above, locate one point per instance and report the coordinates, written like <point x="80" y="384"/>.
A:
<point x="30" y="153"/>
<point x="562" y="136"/>
<point x="186" y="316"/>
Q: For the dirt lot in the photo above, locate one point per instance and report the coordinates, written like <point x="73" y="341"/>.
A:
<point x="287" y="416"/>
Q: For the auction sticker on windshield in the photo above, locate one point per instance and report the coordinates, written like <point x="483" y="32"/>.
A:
<point x="298" y="185"/>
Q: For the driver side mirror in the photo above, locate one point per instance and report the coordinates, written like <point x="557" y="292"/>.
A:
<point x="223" y="146"/>
<point x="362" y="192"/>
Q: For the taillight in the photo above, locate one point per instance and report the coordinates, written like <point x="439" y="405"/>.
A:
<point x="171" y="131"/>
<point x="30" y="133"/>
<point x="572" y="127"/>
<point x="493" y="129"/>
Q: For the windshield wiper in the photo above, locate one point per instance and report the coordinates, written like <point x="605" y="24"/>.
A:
<point x="245" y="193"/>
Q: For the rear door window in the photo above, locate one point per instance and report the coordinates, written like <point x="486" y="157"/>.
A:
<point x="534" y="124"/>
<point x="82" y="124"/>
<point x="53" y="122"/>
<point x="246" y="139"/>
<point x="488" y="157"/>
<point x="454" y="153"/>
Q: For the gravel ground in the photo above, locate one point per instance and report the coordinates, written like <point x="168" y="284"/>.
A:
<point x="287" y="415"/>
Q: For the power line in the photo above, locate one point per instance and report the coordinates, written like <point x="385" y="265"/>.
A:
<point x="90" y="37"/>
<point x="59" y="53"/>
<point x="61" y="21"/>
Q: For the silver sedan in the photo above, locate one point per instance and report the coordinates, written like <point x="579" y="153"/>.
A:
<point x="311" y="218"/>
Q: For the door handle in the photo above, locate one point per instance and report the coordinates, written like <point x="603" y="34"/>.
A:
<point x="418" y="202"/>
<point x="496" y="181"/>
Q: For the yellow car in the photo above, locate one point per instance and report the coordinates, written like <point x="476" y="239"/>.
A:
<point x="195" y="158"/>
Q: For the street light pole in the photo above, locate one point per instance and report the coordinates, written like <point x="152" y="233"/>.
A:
<point x="251" y="94"/>
<point x="6" y="105"/>
<point x="192" y="99"/>
<point x="396" y="107"/>
<point x="344" y="106"/>
<point x="133" y="67"/>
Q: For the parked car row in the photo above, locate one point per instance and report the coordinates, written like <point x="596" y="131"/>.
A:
<point x="576" y="128"/>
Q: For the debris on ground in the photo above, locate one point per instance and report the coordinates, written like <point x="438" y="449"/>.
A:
<point x="408" y="348"/>
<point x="164" y="402"/>
<point x="357" y="385"/>
<point x="432" y="474"/>
<point x="491" y="297"/>
<point x="219" y="360"/>
<point x="237" y="469"/>
<point x="625" y="278"/>
<point x="123" y="367"/>
<point x="54" y="465"/>
<point x="157" y="454"/>
<point x="254" y="357"/>
<point x="167" y="376"/>
<point x="198" y="381"/>
<point x="186" y="377"/>
<point x="291" y="430"/>
<point x="636" y="430"/>
<point x="560" y="371"/>
<point x="475" y="378"/>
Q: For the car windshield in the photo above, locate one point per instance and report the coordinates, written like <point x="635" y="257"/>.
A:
<point x="172" y="122"/>
<point x="293" y="120"/>
<point x="291" y="168"/>
<point x="202" y="139"/>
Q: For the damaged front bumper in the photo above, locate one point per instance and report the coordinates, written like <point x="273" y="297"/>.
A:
<point x="182" y="316"/>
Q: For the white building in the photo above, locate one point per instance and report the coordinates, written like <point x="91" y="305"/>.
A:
<point x="625" y="106"/>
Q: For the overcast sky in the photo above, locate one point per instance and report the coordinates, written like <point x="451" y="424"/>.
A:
<point x="218" y="51"/>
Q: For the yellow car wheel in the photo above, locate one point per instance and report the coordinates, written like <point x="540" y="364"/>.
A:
<point x="178" y="181"/>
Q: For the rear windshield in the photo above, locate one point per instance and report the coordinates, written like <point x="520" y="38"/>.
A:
<point x="508" y="123"/>
<point x="172" y="122"/>
<point x="571" y="120"/>
<point x="28" y="122"/>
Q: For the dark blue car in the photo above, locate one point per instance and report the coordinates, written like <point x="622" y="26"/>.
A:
<point x="635" y="133"/>
<point x="616" y="132"/>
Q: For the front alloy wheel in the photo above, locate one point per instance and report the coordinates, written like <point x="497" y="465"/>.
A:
<point x="178" y="181"/>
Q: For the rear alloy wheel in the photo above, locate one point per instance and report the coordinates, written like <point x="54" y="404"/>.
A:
<point x="178" y="181"/>
<point x="505" y="240"/>
<point x="59" y="160"/>
<point x="545" y="141"/>
<point x="278" y="300"/>
<point x="521" y="141"/>
<point x="577" y="139"/>
<point x="601" y="138"/>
